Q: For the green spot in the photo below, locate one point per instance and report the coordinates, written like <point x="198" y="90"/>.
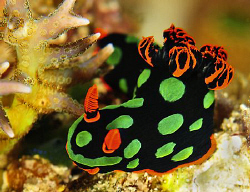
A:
<point x="132" y="148"/>
<point x="165" y="150"/>
<point x="123" y="85"/>
<point x="183" y="154"/>
<point x="143" y="77"/>
<point x="116" y="56"/>
<point x="208" y="99"/>
<point x="123" y="121"/>
<point x="196" y="125"/>
<point x="132" y="39"/>
<point x="172" y="89"/>
<point x="83" y="138"/>
<point x="133" y="164"/>
<point x="133" y="103"/>
<point x="170" y="124"/>
<point x="101" y="161"/>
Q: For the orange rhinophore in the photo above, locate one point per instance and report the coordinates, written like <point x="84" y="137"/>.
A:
<point x="91" y="106"/>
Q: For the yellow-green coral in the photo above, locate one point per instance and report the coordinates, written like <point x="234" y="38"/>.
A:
<point x="48" y="69"/>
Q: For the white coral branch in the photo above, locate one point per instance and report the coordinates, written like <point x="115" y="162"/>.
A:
<point x="61" y="20"/>
<point x="9" y="87"/>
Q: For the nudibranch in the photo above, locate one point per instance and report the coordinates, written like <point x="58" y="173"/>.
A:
<point x="43" y="70"/>
<point x="168" y="123"/>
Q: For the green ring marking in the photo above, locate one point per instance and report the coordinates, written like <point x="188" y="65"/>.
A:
<point x="111" y="107"/>
<point x="131" y="39"/>
<point x="83" y="138"/>
<point x="132" y="149"/>
<point x="116" y="56"/>
<point x="196" y="125"/>
<point x="123" y="85"/>
<point x="133" y="164"/>
<point x="133" y="103"/>
<point x="183" y="154"/>
<point x="123" y="121"/>
<point x="165" y="150"/>
<point x="170" y="124"/>
<point x="101" y="161"/>
<point x="145" y="74"/>
<point x="208" y="99"/>
<point x="134" y="92"/>
<point x="172" y="89"/>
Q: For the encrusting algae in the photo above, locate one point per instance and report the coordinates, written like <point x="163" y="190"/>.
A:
<point x="37" y="81"/>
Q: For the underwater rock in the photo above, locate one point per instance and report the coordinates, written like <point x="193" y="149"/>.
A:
<point x="122" y="182"/>
<point x="35" y="174"/>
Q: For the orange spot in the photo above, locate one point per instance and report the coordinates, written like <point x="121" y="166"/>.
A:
<point x="112" y="141"/>
<point x="103" y="32"/>
<point x="198" y="161"/>
<point x="91" y="104"/>
<point x="92" y="171"/>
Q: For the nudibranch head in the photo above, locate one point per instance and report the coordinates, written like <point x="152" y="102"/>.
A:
<point x="168" y="123"/>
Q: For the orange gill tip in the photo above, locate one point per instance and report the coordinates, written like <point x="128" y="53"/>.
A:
<point x="91" y="106"/>
<point x="145" y="47"/>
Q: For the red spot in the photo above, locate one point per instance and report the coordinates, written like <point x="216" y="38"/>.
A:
<point x="112" y="141"/>
<point x="91" y="106"/>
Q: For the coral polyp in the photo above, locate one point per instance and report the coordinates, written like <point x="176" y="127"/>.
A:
<point x="45" y="68"/>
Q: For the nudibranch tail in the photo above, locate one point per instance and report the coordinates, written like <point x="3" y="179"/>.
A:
<point x="91" y="106"/>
